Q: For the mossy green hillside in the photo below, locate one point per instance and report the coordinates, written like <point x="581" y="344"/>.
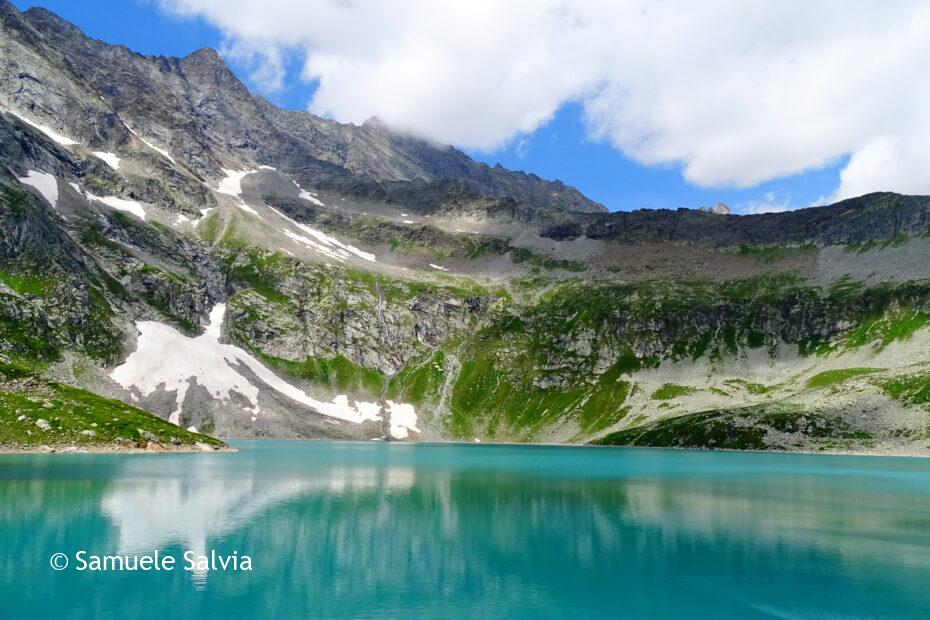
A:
<point x="744" y="428"/>
<point x="910" y="389"/>
<point x="671" y="391"/>
<point x="833" y="377"/>
<point x="58" y="415"/>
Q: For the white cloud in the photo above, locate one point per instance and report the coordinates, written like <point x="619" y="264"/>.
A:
<point x="771" y="203"/>
<point x="736" y="92"/>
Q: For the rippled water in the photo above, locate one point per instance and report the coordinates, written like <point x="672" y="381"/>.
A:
<point x="391" y="530"/>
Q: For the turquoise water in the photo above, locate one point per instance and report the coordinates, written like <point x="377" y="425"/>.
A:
<point x="438" y="531"/>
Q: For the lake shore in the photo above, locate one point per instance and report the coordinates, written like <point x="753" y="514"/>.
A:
<point x="147" y="448"/>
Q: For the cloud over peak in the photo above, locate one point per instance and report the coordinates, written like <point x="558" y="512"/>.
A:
<point x="735" y="92"/>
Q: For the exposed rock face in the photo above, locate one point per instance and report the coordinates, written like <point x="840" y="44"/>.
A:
<point x="375" y="285"/>
<point x="196" y="108"/>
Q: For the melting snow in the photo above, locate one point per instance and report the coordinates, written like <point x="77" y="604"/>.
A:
<point x="45" y="183"/>
<point x="160" y="151"/>
<point x="438" y="267"/>
<point x="110" y="158"/>
<point x="241" y="204"/>
<point x="181" y="219"/>
<point x="264" y="167"/>
<point x="408" y="222"/>
<point x="232" y="186"/>
<point x="403" y="419"/>
<point x="232" y="183"/>
<point x="51" y="133"/>
<point x="165" y="357"/>
<point x="312" y="198"/>
<point x="330" y="246"/>
<point x="120" y="204"/>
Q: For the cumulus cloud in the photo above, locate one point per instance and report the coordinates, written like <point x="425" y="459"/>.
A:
<point x="771" y="203"/>
<point x="735" y="92"/>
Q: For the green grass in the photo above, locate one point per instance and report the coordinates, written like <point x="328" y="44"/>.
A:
<point x="338" y="373"/>
<point x="260" y="271"/>
<point x="521" y="255"/>
<point x="744" y="428"/>
<point x="753" y="388"/>
<point x="670" y="391"/>
<point x="771" y="254"/>
<point x="910" y="390"/>
<point x="70" y="411"/>
<point x="207" y="229"/>
<point x="29" y="284"/>
<point x="419" y="384"/>
<point x="887" y="328"/>
<point x="832" y="377"/>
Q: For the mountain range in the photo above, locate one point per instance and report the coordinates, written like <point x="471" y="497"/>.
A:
<point x="172" y="243"/>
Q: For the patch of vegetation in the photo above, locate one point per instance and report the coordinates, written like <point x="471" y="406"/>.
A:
<point x="419" y="384"/>
<point x="522" y="255"/>
<point x="29" y="284"/>
<point x="670" y="391"/>
<point x="498" y="391"/>
<point x="338" y="374"/>
<point x="909" y="390"/>
<point x="56" y="415"/>
<point x="832" y="377"/>
<point x="208" y="228"/>
<point x="260" y="270"/>
<point x="861" y="248"/>
<point x="753" y="388"/>
<point x="894" y="241"/>
<point x="744" y="428"/>
<point x="774" y="253"/>
<point x="887" y="328"/>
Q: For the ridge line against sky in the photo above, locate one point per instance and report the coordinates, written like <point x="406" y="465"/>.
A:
<point x="764" y="106"/>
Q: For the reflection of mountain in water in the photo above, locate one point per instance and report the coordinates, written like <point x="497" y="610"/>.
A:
<point x="347" y="530"/>
<point x="190" y="505"/>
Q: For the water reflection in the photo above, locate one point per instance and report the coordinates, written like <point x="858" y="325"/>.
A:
<point x="352" y="530"/>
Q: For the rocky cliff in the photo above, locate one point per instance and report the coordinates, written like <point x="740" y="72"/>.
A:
<point x="171" y="240"/>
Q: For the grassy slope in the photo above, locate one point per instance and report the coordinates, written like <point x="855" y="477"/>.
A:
<point x="71" y="412"/>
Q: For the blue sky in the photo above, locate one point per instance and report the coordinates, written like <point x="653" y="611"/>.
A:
<point x="558" y="149"/>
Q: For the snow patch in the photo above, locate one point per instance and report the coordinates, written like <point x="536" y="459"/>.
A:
<point x="120" y="204"/>
<point x="403" y="419"/>
<point x="241" y="204"/>
<point x="181" y="219"/>
<point x="158" y="150"/>
<point x="438" y="267"/>
<point x="322" y="249"/>
<point x="231" y="184"/>
<point x="45" y="183"/>
<point x="51" y="133"/>
<point x="311" y="197"/>
<point x="110" y="158"/>
<point x="408" y="221"/>
<point x="164" y="357"/>
<point x="330" y="246"/>
<point x="264" y="167"/>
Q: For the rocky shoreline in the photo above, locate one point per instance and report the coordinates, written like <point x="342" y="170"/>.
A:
<point x="118" y="448"/>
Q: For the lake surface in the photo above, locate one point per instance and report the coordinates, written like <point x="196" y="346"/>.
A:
<point x="439" y="531"/>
